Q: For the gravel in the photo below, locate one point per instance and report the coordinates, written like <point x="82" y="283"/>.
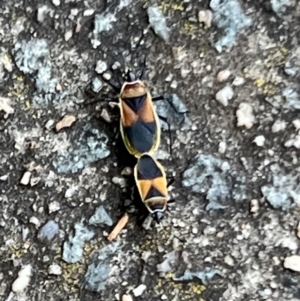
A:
<point x="233" y="233"/>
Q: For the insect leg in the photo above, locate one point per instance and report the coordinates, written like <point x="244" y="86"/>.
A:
<point x="169" y="130"/>
<point x="172" y="179"/>
<point x="158" y="98"/>
<point x="116" y="88"/>
<point x="98" y="100"/>
<point x="171" y="201"/>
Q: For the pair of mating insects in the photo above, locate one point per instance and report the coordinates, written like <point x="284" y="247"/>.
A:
<point x="140" y="130"/>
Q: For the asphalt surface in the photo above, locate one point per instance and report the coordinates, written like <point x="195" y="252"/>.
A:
<point x="224" y="249"/>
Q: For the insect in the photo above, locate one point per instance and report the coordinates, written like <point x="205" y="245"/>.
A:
<point x="151" y="181"/>
<point x="139" y="123"/>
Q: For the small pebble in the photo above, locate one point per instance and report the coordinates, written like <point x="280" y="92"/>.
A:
<point x="245" y="115"/>
<point x="56" y="2"/>
<point x="127" y="298"/>
<point x="55" y="269"/>
<point x="68" y="35"/>
<point x="169" y="78"/>
<point x="254" y="206"/>
<point x="138" y="291"/>
<point x="20" y="284"/>
<point x="292" y="263"/>
<point x="41" y="12"/>
<point x="96" y="85"/>
<point x="276" y="260"/>
<point x="105" y="116"/>
<point x="100" y="217"/>
<point x="174" y="84"/>
<point x="48" y="231"/>
<point x="53" y="206"/>
<point x="164" y="297"/>
<point x="116" y="65"/>
<point x="194" y="230"/>
<point x="25" y="232"/>
<point x="278" y="126"/>
<point x="296" y="124"/>
<point x="26" y="178"/>
<point x="289" y="69"/>
<point x="222" y="147"/>
<point x="224" y="95"/>
<point x="146" y="255"/>
<point x="223" y="75"/>
<point x="229" y="260"/>
<point x="88" y="12"/>
<point x="106" y="76"/>
<point x="74" y="12"/>
<point x="49" y="124"/>
<point x="34" y="220"/>
<point x="205" y="17"/>
<point x="46" y="258"/>
<point x="67" y="121"/>
<point x="127" y="171"/>
<point x="158" y="22"/>
<point x="259" y="140"/>
<point x="119" y="181"/>
<point x="101" y="67"/>
<point x="238" y="81"/>
<point x="4" y="177"/>
<point x="70" y="192"/>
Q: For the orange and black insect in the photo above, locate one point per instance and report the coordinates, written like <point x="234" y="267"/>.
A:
<point x="151" y="181"/>
<point x="139" y="123"/>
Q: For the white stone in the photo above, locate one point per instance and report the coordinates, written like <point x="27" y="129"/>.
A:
<point x="53" y="206"/>
<point x="49" y="124"/>
<point x="54" y="269"/>
<point x="68" y="35"/>
<point x="101" y="67"/>
<point x="205" y="17"/>
<point x="238" y="81"/>
<point x="174" y="84"/>
<point x="293" y="142"/>
<point x="245" y="115"/>
<point x="138" y="291"/>
<point x="259" y="140"/>
<point x="5" y="106"/>
<point x="224" y="95"/>
<point x="222" y="147"/>
<point x="126" y="298"/>
<point x="297" y="142"/>
<point x="34" y="220"/>
<point x="4" y="177"/>
<point x="254" y="206"/>
<point x="229" y="260"/>
<point x="70" y="192"/>
<point x="26" y="178"/>
<point x="278" y="126"/>
<point x="23" y="279"/>
<point x="107" y="76"/>
<point x="41" y="13"/>
<point x="88" y="12"/>
<point x="292" y="263"/>
<point x="223" y="75"/>
<point x="56" y="2"/>
<point x="296" y="124"/>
